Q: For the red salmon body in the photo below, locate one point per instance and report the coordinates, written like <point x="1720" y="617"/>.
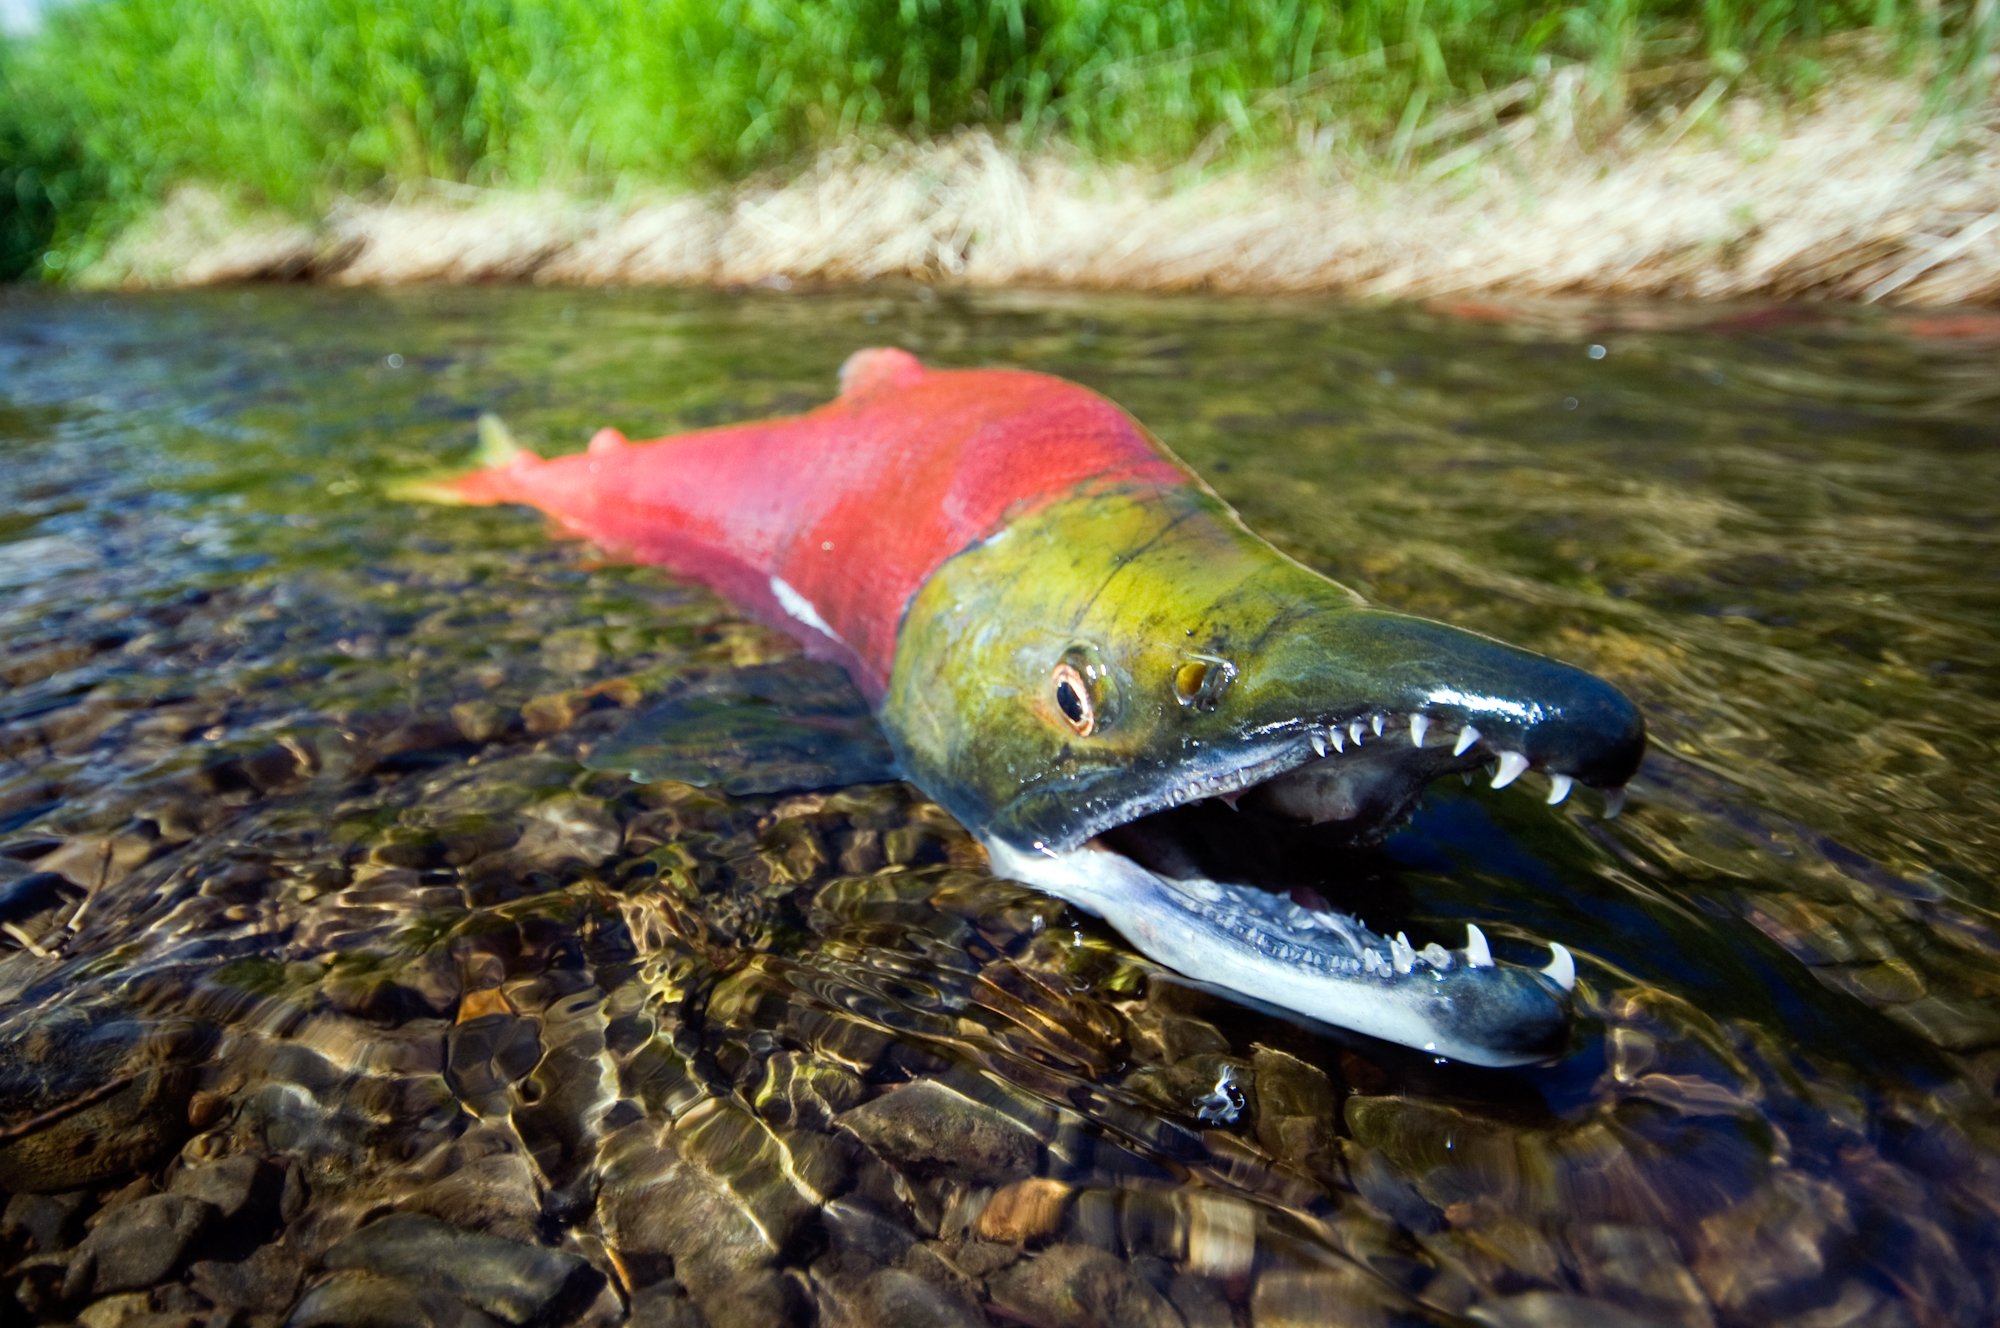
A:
<point x="826" y="523"/>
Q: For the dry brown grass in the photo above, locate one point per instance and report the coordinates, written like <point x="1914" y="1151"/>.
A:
<point x="1848" y="201"/>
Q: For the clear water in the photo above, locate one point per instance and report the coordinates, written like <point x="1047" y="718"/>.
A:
<point x="299" y="857"/>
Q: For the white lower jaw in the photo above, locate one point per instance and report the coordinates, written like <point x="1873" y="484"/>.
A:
<point x="1172" y="921"/>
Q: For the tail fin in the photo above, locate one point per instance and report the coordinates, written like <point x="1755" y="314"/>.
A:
<point x="497" y="451"/>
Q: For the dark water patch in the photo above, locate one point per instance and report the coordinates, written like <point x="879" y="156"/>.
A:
<point x="324" y="938"/>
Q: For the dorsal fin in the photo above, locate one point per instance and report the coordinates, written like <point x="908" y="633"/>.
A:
<point x="497" y="447"/>
<point x="876" y="369"/>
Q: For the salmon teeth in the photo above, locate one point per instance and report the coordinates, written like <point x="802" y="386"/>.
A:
<point x="1512" y="765"/>
<point x="1376" y="723"/>
<point x="1478" y="954"/>
<point x="1354" y="732"/>
<point x="1559" y="787"/>
<point x="1466" y="737"/>
<point x="1419" y="726"/>
<point x="1561" y="966"/>
<point x="1319" y="743"/>
<point x="1614" y="802"/>
<point x="1402" y="955"/>
<point x="1339" y="742"/>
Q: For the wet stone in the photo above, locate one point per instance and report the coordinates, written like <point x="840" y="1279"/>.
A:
<point x="513" y="1282"/>
<point x="1200" y="1301"/>
<point x="931" y="1129"/>
<point x="1297" y="1109"/>
<point x="1024" y="1211"/>
<point x="364" y="1300"/>
<point x="1075" y="1286"/>
<point x="1162" y="1037"/>
<point x="134" y="1309"/>
<point x="266" y="1281"/>
<point x="893" y="1298"/>
<point x="496" y="1194"/>
<point x="862" y="1237"/>
<point x="1308" y="1297"/>
<point x="137" y="1245"/>
<point x="687" y="1224"/>
<point x="38" y="1223"/>
<point x="1560" y="1309"/>
<point x="242" y="1189"/>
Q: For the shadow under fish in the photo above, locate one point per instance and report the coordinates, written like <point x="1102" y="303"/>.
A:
<point x="1052" y="628"/>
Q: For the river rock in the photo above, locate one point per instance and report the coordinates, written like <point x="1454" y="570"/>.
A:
<point x="108" y="1095"/>
<point x="1024" y="1211"/>
<point x="934" y="1130"/>
<point x="267" y="1281"/>
<point x="365" y="1300"/>
<point x="512" y="1282"/>
<point x="242" y="1189"/>
<point x="1297" y="1109"/>
<point x="893" y="1298"/>
<point x="1075" y="1286"/>
<point x="137" y="1245"/>
<point x="38" y="1223"/>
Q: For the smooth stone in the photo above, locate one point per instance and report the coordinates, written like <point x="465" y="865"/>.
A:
<point x="364" y="1300"/>
<point x="137" y="1245"/>
<point x="513" y="1282"/>
<point x="242" y="1188"/>
<point x="44" y="1222"/>
<point x="1309" y="1297"/>
<point x="267" y="1281"/>
<point x="1297" y="1109"/>
<point x="893" y="1298"/>
<point x="133" y="1309"/>
<point x="1075" y="1286"/>
<point x="928" y="1127"/>
<point x="131" y="1079"/>
<point x="1023" y="1211"/>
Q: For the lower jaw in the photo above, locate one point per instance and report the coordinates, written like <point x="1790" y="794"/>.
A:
<point x="1273" y="951"/>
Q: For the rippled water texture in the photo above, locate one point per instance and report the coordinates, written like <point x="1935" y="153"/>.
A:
<point x="336" y="987"/>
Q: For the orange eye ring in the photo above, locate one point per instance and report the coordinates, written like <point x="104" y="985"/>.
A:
<point x="1073" y="699"/>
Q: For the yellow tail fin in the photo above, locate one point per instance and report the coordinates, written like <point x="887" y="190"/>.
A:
<point x="497" y="447"/>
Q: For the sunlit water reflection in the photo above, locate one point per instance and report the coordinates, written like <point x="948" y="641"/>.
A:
<point x="317" y="925"/>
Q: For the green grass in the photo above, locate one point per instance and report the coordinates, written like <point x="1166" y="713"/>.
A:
<point x="292" y="102"/>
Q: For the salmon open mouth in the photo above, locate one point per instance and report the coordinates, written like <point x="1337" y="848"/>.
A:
<point x="1221" y="872"/>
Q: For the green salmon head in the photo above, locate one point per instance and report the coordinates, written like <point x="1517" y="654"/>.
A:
<point x="1101" y="688"/>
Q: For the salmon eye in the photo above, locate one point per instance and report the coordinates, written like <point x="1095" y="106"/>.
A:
<point x="1073" y="699"/>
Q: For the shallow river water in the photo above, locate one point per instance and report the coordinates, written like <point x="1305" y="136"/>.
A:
<point x="337" y="988"/>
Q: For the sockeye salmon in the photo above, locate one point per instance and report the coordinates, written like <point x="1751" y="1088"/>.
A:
<point x="1075" y="647"/>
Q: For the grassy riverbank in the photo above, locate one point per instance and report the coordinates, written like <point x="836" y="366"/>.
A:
<point x="294" y="117"/>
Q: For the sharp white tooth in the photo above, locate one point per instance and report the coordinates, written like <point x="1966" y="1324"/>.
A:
<point x="1614" y="802"/>
<point x="1559" y="787"/>
<point x="1319" y="743"/>
<point x="1338" y="739"/>
<point x="1478" y="954"/>
<point x="1465" y="778"/>
<point x="1354" y="732"/>
<point x="1436" y="956"/>
<point x="1512" y="764"/>
<point x="1419" y="726"/>
<point x="1402" y="955"/>
<point x="1561" y="967"/>
<point x="1377" y="723"/>
<point x="1466" y="737"/>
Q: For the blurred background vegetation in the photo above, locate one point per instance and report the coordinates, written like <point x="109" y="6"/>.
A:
<point x="291" y="103"/>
